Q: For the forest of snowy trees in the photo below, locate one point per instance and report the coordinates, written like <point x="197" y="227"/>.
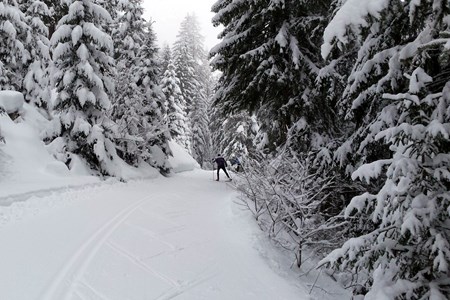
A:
<point x="339" y="111"/>
<point x="94" y="69"/>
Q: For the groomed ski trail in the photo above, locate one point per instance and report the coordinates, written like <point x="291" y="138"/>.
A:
<point x="78" y="263"/>
<point x="167" y="238"/>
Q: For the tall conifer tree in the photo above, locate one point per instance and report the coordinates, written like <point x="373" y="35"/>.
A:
<point x="82" y="56"/>
<point x="176" y="111"/>
<point x="397" y="97"/>
<point x="192" y="69"/>
<point x="13" y="52"/>
<point x="37" y="80"/>
<point x="129" y="101"/>
<point x="157" y="134"/>
<point x="269" y="61"/>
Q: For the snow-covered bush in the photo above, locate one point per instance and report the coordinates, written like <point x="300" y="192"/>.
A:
<point x="11" y="101"/>
<point x="294" y="203"/>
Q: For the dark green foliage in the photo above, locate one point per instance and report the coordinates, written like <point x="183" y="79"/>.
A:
<point x="270" y="60"/>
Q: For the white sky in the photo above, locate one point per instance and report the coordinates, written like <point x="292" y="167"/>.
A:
<point x="168" y="14"/>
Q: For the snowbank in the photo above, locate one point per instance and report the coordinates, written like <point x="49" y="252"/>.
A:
<point x="25" y="163"/>
<point x="11" y="101"/>
<point x="28" y="165"/>
<point x="181" y="160"/>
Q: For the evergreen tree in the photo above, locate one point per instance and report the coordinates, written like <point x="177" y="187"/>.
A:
<point x="176" y="114"/>
<point x="189" y="54"/>
<point x="114" y="6"/>
<point x="37" y="80"/>
<point x="82" y="58"/>
<point x="405" y="246"/>
<point x="269" y="61"/>
<point x="157" y="134"/>
<point x="193" y="70"/>
<point x="201" y="136"/>
<point x="200" y="118"/>
<point x="239" y="134"/>
<point x="185" y="68"/>
<point x="166" y="57"/>
<point x="58" y="9"/>
<point x="13" y="52"/>
<point x="129" y="103"/>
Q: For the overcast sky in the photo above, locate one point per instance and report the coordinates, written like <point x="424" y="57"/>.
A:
<point x="168" y="14"/>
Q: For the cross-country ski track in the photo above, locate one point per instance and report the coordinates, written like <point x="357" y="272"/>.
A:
<point x="183" y="237"/>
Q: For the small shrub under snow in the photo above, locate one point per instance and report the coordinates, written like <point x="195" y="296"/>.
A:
<point x="11" y="101"/>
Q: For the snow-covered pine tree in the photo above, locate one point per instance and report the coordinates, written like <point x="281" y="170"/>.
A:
<point x="37" y="81"/>
<point x="199" y="116"/>
<point x="165" y="57"/>
<point x="176" y="113"/>
<point x="13" y="51"/>
<point x="239" y="134"/>
<point x="375" y="69"/>
<point x="190" y="36"/>
<point x="157" y="133"/>
<point x="405" y="250"/>
<point x="269" y="62"/>
<point x="82" y="57"/>
<point x="186" y="66"/>
<point x="57" y="9"/>
<point x="113" y="7"/>
<point x="129" y="101"/>
<point x="201" y="136"/>
<point x="193" y="70"/>
<point x="185" y="71"/>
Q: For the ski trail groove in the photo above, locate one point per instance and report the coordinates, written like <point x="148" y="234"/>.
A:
<point x="93" y="291"/>
<point x="153" y="235"/>
<point x="159" y="216"/>
<point x="71" y="273"/>
<point x="186" y="286"/>
<point x="138" y="262"/>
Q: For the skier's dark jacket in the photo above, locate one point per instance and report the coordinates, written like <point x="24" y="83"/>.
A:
<point x="220" y="161"/>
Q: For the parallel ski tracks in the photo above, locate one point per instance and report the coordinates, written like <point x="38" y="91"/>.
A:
<point x="138" y="262"/>
<point x="71" y="275"/>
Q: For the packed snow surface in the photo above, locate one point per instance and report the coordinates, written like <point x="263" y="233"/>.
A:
<point x="182" y="237"/>
<point x="67" y="235"/>
<point x="181" y="161"/>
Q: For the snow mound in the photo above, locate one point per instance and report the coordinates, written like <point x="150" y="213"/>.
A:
<point x="181" y="160"/>
<point x="25" y="163"/>
<point x="28" y="165"/>
<point x="11" y="101"/>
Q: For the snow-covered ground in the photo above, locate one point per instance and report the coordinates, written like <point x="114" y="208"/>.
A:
<point x="67" y="235"/>
<point x="183" y="237"/>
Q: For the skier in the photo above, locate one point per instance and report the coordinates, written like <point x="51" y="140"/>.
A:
<point x="235" y="161"/>
<point x="221" y="164"/>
